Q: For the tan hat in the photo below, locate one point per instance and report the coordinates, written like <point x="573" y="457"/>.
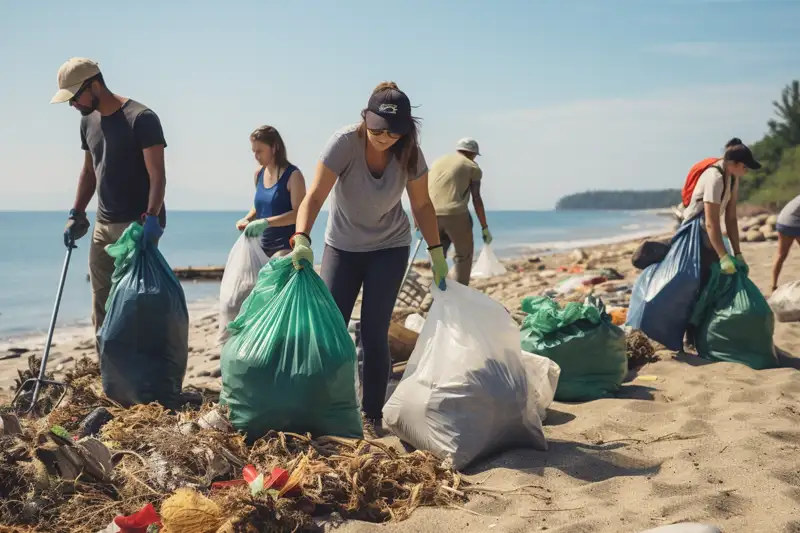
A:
<point x="71" y="76"/>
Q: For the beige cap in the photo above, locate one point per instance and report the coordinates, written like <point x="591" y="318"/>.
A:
<point x="71" y="76"/>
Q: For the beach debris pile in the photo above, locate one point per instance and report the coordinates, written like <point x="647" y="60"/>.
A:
<point x="190" y="471"/>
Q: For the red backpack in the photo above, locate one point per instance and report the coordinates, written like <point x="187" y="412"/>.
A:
<point x="694" y="175"/>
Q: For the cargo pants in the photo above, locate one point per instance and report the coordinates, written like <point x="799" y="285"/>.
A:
<point x="101" y="266"/>
<point x="457" y="230"/>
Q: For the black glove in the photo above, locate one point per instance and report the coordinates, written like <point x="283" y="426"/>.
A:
<point x="77" y="226"/>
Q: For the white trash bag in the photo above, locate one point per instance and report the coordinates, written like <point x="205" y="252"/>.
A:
<point x="466" y="393"/>
<point x="543" y="374"/>
<point x="241" y="273"/>
<point x="487" y="265"/>
<point x="785" y="302"/>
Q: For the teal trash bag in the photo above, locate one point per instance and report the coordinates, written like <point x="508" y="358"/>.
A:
<point x="144" y="340"/>
<point x="290" y="364"/>
<point x="582" y="340"/>
<point x="734" y="321"/>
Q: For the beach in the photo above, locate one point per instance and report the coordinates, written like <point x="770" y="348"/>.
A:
<point x="684" y="440"/>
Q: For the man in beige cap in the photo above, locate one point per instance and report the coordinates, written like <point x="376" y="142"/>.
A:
<point x="452" y="179"/>
<point x="123" y="147"/>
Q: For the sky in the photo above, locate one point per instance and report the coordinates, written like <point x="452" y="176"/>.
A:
<point x="562" y="95"/>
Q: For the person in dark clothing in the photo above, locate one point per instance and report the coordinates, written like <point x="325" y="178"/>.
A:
<point x="366" y="167"/>
<point x="280" y="187"/>
<point x="123" y="145"/>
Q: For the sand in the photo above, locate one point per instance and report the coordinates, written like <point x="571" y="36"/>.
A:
<point x="684" y="441"/>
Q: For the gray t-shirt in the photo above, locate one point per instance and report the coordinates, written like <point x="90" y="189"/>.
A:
<point x="116" y="142"/>
<point x="365" y="212"/>
<point x="790" y="214"/>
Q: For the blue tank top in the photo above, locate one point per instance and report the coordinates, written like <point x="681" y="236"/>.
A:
<point x="271" y="202"/>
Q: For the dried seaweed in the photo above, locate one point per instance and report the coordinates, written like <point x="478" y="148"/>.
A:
<point x="156" y="452"/>
<point x="640" y="350"/>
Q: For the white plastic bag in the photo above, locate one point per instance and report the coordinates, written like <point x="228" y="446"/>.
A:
<point x="241" y="273"/>
<point x="543" y="374"/>
<point x="465" y="393"/>
<point x="487" y="265"/>
<point x="785" y="302"/>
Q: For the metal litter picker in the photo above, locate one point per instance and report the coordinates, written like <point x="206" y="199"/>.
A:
<point x="19" y="403"/>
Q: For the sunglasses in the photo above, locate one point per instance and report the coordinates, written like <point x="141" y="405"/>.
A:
<point x="378" y="133"/>
<point x="80" y="91"/>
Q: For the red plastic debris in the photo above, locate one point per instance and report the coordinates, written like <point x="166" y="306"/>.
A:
<point x="139" y="521"/>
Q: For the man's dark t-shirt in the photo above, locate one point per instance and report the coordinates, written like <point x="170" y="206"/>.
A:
<point x="116" y="142"/>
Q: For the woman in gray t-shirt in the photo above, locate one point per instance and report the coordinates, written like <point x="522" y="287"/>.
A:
<point x="365" y="168"/>
<point x="788" y="227"/>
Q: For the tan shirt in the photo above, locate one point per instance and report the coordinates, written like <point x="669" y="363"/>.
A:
<point x="449" y="181"/>
<point x="711" y="188"/>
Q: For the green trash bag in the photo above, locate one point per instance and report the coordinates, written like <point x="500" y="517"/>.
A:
<point x="290" y="364"/>
<point x="582" y="340"/>
<point x="734" y="321"/>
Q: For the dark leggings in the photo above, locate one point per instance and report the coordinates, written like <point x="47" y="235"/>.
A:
<point x="381" y="273"/>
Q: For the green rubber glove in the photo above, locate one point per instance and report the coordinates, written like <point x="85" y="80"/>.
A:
<point x="487" y="235"/>
<point x="727" y="265"/>
<point x="256" y="227"/>
<point x="301" y="251"/>
<point x="742" y="264"/>
<point x="439" y="266"/>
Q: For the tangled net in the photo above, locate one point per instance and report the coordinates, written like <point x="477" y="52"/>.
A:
<point x="172" y="459"/>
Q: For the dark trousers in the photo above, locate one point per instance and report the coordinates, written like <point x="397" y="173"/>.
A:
<point x="380" y="273"/>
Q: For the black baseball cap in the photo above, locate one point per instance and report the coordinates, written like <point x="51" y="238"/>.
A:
<point x="742" y="154"/>
<point x="389" y="109"/>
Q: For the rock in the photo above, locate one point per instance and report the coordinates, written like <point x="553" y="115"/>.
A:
<point x="755" y="236"/>
<point x="203" y="374"/>
<point x="9" y="425"/>
<point x="761" y="219"/>
<point x="216" y="373"/>
<point x="766" y="229"/>
<point x="19" y="351"/>
<point x="772" y="220"/>
<point x="772" y="236"/>
<point x="214" y="357"/>
<point x="578" y="255"/>
<point x="534" y="260"/>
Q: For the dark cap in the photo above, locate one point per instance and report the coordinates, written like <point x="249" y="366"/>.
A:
<point x="389" y="109"/>
<point x="742" y="154"/>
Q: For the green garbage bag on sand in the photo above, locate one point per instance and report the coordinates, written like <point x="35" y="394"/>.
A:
<point x="290" y="364"/>
<point x="734" y="321"/>
<point x="582" y="340"/>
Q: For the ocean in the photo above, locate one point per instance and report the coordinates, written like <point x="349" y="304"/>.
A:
<point x="33" y="253"/>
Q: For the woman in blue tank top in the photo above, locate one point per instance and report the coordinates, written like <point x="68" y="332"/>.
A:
<point x="280" y="187"/>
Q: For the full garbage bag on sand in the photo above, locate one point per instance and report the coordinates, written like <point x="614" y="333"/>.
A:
<point x="241" y="273"/>
<point x="785" y="302"/>
<point x="144" y="340"/>
<point x="664" y="294"/>
<point x="543" y="376"/>
<point x="290" y="364"/>
<point x="466" y="392"/>
<point x="735" y="322"/>
<point x="581" y="338"/>
<point x="487" y="265"/>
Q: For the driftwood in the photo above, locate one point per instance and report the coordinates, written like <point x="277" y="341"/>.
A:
<point x="201" y="273"/>
<point x="401" y="342"/>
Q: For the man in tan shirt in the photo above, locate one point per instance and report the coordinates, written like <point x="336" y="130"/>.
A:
<point x="451" y="181"/>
